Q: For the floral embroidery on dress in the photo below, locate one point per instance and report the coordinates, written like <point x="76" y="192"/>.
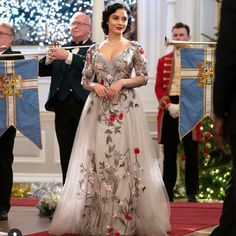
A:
<point x="103" y="179"/>
<point x="112" y="183"/>
<point x="103" y="182"/>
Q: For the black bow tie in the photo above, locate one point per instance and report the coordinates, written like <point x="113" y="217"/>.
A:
<point x="76" y="44"/>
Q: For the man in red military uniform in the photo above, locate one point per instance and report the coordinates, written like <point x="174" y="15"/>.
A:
<point x="167" y="90"/>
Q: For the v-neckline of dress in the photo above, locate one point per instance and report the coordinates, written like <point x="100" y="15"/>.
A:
<point x="114" y="58"/>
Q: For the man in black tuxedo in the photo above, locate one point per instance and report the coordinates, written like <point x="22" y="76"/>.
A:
<point x="67" y="96"/>
<point x="224" y="100"/>
<point x="8" y="137"/>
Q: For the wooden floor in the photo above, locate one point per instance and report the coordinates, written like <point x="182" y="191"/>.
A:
<point x="28" y="221"/>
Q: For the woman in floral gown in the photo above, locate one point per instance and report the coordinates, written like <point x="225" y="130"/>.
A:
<point x="114" y="186"/>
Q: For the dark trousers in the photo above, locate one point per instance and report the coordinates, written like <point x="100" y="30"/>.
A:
<point x="227" y="224"/>
<point x="67" y="115"/>
<point x="6" y="161"/>
<point x="170" y="137"/>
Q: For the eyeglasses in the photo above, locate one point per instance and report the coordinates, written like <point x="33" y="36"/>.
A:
<point x="5" y="34"/>
<point x="79" y="24"/>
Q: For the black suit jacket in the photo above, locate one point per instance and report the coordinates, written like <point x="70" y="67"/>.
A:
<point x="59" y="71"/>
<point x="9" y="51"/>
<point x="224" y="98"/>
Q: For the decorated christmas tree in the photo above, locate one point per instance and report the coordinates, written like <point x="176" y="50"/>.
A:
<point x="214" y="166"/>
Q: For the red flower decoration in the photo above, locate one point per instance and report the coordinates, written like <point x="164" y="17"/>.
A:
<point x="128" y="217"/>
<point x="207" y="135"/>
<point x="112" y="118"/>
<point x="110" y="230"/>
<point x="141" y="51"/>
<point x="206" y="150"/>
<point x="102" y="82"/>
<point x="117" y="234"/>
<point x="120" y="116"/>
<point x="136" y="150"/>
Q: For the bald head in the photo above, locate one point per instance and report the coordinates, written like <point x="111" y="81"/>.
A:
<point x="83" y="15"/>
<point x="80" y="27"/>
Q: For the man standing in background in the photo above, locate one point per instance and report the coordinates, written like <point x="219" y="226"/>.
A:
<point x="167" y="90"/>
<point x="67" y="96"/>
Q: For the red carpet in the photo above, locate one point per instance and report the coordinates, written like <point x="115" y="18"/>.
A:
<point x="185" y="217"/>
<point x="190" y="217"/>
<point x="24" y="201"/>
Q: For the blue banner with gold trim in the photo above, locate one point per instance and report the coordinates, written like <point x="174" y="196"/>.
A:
<point x="19" y="106"/>
<point x="197" y="76"/>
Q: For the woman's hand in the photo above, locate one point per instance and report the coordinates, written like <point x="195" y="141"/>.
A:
<point x="100" y="90"/>
<point x="114" y="89"/>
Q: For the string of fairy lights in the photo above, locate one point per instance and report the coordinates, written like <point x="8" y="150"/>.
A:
<point x="40" y="22"/>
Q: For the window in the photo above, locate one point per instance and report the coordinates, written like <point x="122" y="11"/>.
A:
<point x="39" y="22"/>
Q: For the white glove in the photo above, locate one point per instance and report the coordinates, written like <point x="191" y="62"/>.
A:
<point x="173" y="110"/>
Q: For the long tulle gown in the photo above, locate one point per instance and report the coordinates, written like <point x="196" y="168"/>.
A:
<point x="114" y="185"/>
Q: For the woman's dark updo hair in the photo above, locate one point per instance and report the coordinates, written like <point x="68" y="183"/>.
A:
<point x="110" y="9"/>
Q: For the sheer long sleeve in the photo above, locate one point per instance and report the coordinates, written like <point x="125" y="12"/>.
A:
<point x="88" y="71"/>
<point x="140" y="63"/>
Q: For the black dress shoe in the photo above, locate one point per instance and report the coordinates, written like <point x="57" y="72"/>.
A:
<point x="3" y="215"/>
<point x="192" y="198"/>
